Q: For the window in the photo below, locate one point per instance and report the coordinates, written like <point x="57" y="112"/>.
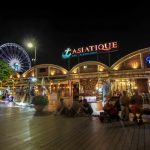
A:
<point x="41" y="70"/>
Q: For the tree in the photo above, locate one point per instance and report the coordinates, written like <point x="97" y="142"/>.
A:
<point x="5" y="71"/>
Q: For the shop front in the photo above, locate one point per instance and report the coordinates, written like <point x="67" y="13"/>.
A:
<point x="94" y="80"/>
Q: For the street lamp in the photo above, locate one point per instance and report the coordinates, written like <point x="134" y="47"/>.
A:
<point x="33" y="79"/>
<point x="30" y="45"/>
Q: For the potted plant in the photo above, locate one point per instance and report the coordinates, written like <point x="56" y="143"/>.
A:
<point x="39" y="102"/>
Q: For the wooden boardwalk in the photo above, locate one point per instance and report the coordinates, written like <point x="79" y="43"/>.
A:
<point x="22" y="129"/>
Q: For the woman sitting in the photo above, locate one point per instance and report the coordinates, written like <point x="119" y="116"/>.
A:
<point x="111" y="109"/>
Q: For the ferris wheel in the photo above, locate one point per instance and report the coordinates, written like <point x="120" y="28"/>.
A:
<point x="15" y="56"/>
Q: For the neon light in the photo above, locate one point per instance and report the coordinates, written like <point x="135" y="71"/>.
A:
<point x="15" y="64"/>
<point x="67" y="53"/>
<point x="148" y="59"/>
<point x="89" y="50"/>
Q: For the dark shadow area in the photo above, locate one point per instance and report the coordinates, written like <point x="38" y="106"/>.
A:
<point x="43" y="113"/>
<point x="126" y="124"/>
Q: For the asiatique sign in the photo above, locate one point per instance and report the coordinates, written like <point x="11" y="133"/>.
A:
<point x="89" y="50"/>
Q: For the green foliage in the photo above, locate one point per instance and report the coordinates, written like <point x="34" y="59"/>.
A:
<point x="5" y="71"/>
<point x="40" y="100"/>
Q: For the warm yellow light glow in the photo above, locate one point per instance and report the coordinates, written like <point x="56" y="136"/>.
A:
<point x="52" y="73"/>
<point x="101" y="69"/>
<point x="24" y="75"/>
<point x="18" y="76"/>
<point x="75" y="71"/>
<point x="128" y="83"/>
<point x="116" y="68"/>
<point x="123" y="83"/>
<point x="30" y="45"/>
<point x="135" y="65"/>
<point x="32" y="74"/>
<point x="65" y="72"/>
<point x="84" y="67"/>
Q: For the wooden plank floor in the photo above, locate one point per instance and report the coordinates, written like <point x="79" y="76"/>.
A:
<point x="21" y="129"/>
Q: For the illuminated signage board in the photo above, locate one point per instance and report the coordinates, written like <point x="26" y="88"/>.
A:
<point x="148" y="59"/>
<point x="89" y="50"/>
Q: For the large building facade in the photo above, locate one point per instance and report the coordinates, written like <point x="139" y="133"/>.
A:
<point x="92" y="79"/>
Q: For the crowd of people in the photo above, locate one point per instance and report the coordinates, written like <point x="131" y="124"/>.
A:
<point x="78" y="108"/>
<point x="125" y="104"/>
<point x="113" y="105"/>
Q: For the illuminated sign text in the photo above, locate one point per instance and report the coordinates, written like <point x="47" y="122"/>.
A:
<point x="93" y="49"/>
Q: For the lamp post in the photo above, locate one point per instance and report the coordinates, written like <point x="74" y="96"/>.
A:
<point x="30" y="45"/>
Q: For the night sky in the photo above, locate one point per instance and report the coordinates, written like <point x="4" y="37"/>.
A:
<point x="56" y="28"/>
